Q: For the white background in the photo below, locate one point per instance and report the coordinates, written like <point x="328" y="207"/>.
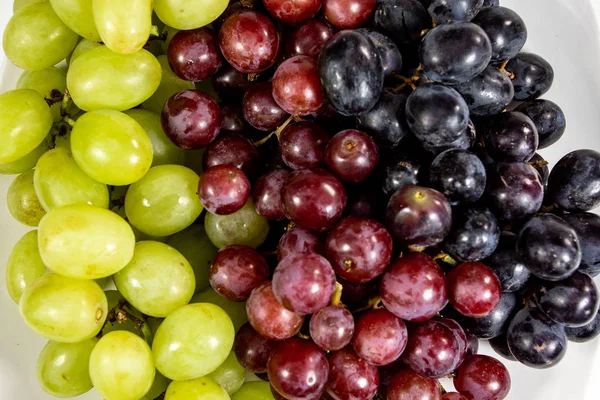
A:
<point x="565" y="32"/>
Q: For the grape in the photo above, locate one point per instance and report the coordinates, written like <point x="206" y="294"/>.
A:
<point x="296" y="86"/>
<point x="253" y="350"/>
<point x="300" y="240"/>
<point x="549" y="120"/>
<point x="192" y="341"/>
<point x="307" y="39"/>
<point x="124" y="30"/>
<point x="170" y="84"/>
<point x="483" y="377"/>
<point x="260" y="109"/>
<point x="24" y="265"/>
<point x="404" y="170"/>
<point x="298" y="369"/>
<point x="491" y="3"/>
<point x="500" y="346"/>
<point x="465" y="141"/>
<point x="510" y="137"/>
<point x="473" y="289"/>
<point x="472" y="344"/>
<point x="419" y="217"/>
<point x="488" y="93"/>
<point x="26" y="163"/>
<point x="194" y="55"/>
<point x="332" y="327"/>
<point x="254" y="391"/>
<point x="121" y="366"/>
<point x="183" y="14"/>
<point x="64" y="309"/>
<point x="196" y="389"/>
<point x="455" y="53"/>
<point x="445" y="12"/>
<point x="235" y="310"/>
<point x="506" y="30"/>
<point x="391" y="58"/>
<point x="18" y="4"/>
<point x="459" y="175"/>
<point x="83" y="47"/>
<point x="164" y="201"/>
<point x="414" y="288"/>
<point x="230" y="375"/>
<point x="407" y="385"/>
<point x="230" y="83"/>
<point x="302" y="145"/>
<point x="573" y="181"/>
<point x="196" y="247"/>
<point x="350" y="377"/>
<point x="403" y="20"/>
<point x="232" y="149"/>
<point x="475" y="235"/>
<point x="63" y="368"/>
<point x="245" y="227"/>
<point x="294" y="12"/>
<point x="459" y="335"/>
<point x="78" y="16"/>
<point x="236" y="271"/>
<point x="249" y="41"/>
<point x="549" y="247"/>
<point x="587" y="228"/>
<point x="533" y="76"/>
<point x="159" y="386"/>
<point x="22" y="201"/>
<point x="101" y="78"/>
<point x="508" y="265"/>
<point x="313" y="199"/>
<point x="223" y="189"/>
<point x="386" y="122"/>
<point x="379" y="337"/>
<point x="86" y="242"/>
<point x="453" y="396"/>
<point x="233" y="119"/>
<point x="269" y="317"/>
<point x="45" y="81"/>
<point x="351" y="73"/>
<point x="36" y="38"/>
<point x="584" y="333"/>
<point x="25" y="121"/>
<point x="352" y="155"/>
<point x="359" y="249"/>
<point x="535" y="340"/>
<point x="266" y="194"/>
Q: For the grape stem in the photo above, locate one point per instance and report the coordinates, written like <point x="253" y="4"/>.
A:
<point x="408" y="81"/>
<point x="276" y="132"/>
<point x="121" y="313"/>
<point x="503" y="69"/>
<point x="374" y="303"/>
<point x="55" y="97"/>
<point x="446" y="258"/>
<point x="154" y="31"/>
<point x="336" y="299"/>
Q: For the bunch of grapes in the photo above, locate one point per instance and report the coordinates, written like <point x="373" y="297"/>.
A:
<point x="340" y="197"/>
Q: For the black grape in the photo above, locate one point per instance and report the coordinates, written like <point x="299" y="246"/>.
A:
<point x="508" y="265"/>
<point x="510" y="137"/>
<point x="584" y="333"/>
<point x="466" y="140"/>
<point x="386" y="122"/>
<point x="447" y="11"/>
<point x="506" y="30"/>
<point x="500" y="346"/>
<point x="491" y="3"/>
<point x="541" y="166"/>
<point x="474" y="236"/>
<point x="549" y="119"/>
<point x="587" y="227"/>
<point x="391" y="58"/>
<point x="459" y="175"/>
<point x="402" y="20"/>
<point x="488" y="93"/>
<point x="533" y="76"/>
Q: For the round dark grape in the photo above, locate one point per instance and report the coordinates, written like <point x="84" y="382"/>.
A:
<point x="418" y="216"/>
<point x="332" y="327"/>
<point x="230" y="84"/>
<point x="266" y="194"/>
<point x="549" y="120"/>
<point x="506" y="30"/>
<point x="223" y="189"/>
<point x="459" y="175"/>
<point x="364" y="203"/>
<point x="541" y="166"/>
<point x="307" y="39"/>
<point x="300" y="240"/>
<point x="459" y="334"/>
<point x="260" y="109"/>
<point x="351" y="377"/>
<point x="491" y="3"/>
<point x="466" y="140"/>
<point x="379" y="337"/>
<point x="252" y="350"/>
<point x="488" y="93"/>
<point x="348" y="14"/>
<point x="386" y="122"/>
<point x="500" y="346"/>
<point x="445" y="12"/>
<point x="584" y="333"/>
<point x="232" y="149"/>
<point x="408" y="385"/>
<point x="482" y="377"/>
<point x="292" y="12"/>
<point x="574" y="181"/>
<point x="414" y="288"/>
<point x="535" y="340"/>
<point x="351" y="73"/>
<point x="587" y="227"/>
<point x="508" y="265"/>
<point x="455" y="53"/>
<point x="297" y="87"/>
<point x="302" y="145"/>
<point x="510" y="137"/>
<point x="232" y="120"/>
<point x="453" y="396"/>
<point x="473" y="289"/>
<point x="194" y="55"/>
<point x="400" y="173"/>
<point x="474" y="236"/>
<point x="352" y="155"/>
<point x="533" y="76"/>
<point x="391" y="58"/>
<point x="549" y="247"/>
<point x="402" y="20"/>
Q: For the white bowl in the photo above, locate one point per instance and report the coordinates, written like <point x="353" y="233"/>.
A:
<point x="565" y="32"/>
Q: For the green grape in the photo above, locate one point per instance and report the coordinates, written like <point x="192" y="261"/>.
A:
<point x="36" y="38"/>
<point x="203" y="388"/>
<point x="111" y="147"/>
<point x="24" y="266"/>
<point x="235" y="310"/>
<point x="18" y="4"/>
<point x="197" y="248"/>
<point x="169" y="85"/>
<point x="25" y="163"/>
<point x="159" y="386"/>
<point x="193" y="341"/>
<point x="64" y="309"/>
<point x="164" y="201"/>
<point x="77" y="15"/>
<point x="83" y="241"/>
<point x="230" y="375"/>
<point x="170" y="33"/>
<point x="59" y="182"/>
<point x="157" y="281"/>
<point x="22" y="202"/>
<point x="126" y="29"/>
<point x="83" y="47"/>
<point x="101" y="79"/>
<point x="63" y="368"/>
<point x="257" y="390"/>
<point x="25" y="120"/>
<point x="44" y="81"/>
<point x="165" y="152"/>
<point x="193" y="160"/>
<point x="245" y="227"/>
<point x="121" y="366"/>
<point x="183" y="14"/>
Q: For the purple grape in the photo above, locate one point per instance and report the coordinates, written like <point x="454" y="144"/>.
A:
<point x="266" y="194"/>
<point x="252" y="350"/>
<point x="351" y="377"/>
<point x="300" y="241"/>
<point x="332" y="328"/>
<point x="379" y="337"/>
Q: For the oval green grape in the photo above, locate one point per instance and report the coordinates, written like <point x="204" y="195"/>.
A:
<point x="63" y="368"/>
<point x="25" y="121"/>
<point x="83" y="241"/>
<point x="203" y="388"/>
<point x="60" y="182"/>
<point x="36" y="38"/>
<point x="26" y="163"/>
<point x="64" y="309"/>
<point x="245" y="227"/>
<point x="169" y="85"/>
<point x="24" y="266"/>
<point x="230" y="375"/>
<point x="164" y="201"/>
<point x="121" y="366"/>
<point x="83" y="47"/>
<point x="103" y="79"/>
<point x="235" y="310"/>
<point x="193" y="341"/>
<point x="111" y="147"/>
<point x="77" y="15"/>
<point x="45" y="81"/>
<point x="124" y="30"/>
<point x="22" y="202"/>
<point x="183" y="14"/>
<point x="18" y="4"/>
<point x="257" y="390"/>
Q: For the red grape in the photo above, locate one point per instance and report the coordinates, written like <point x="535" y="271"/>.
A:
<point x="302" y="145"/>
<point x="269" y="317"/>
<point x="249" y="41"/>
<point x="194" y="55"/>
<point x="230" y="84"/>
<point x="298" y="369"/>
<point x="223" y="189"/>
<point x="266" y="194"/>
<point x="300" y="240"/>
<point x="232" y="149"/>
<point x="350" y="377"/>
<point x="483" y="378"/>
<point x="352" y="155"/>
<point x="292" y="12"/>
<point x="304" y="283"/>
<point x="191" y="119"/>
<point x="260" y="109"/>
<point x="414" y="288"/>
<point x="379" y="337"/>
<point x="297" y="86"/>
<point x="459" y="334"/>
<point x="407" y="385"/>
<point x="253" y="350"/>
<point x="232" y="119"/>
<point x="473" y="289"/>
<point x="348" y="14"/>
<point x="307" y="39"/>
<point x="359" y="249"/>
<point x="472" y="344"/>
<point x="332" y="327"/>
<point x="313" y="199"/>
<point x="453" y="396"/>
<point x="236" y="271"/>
